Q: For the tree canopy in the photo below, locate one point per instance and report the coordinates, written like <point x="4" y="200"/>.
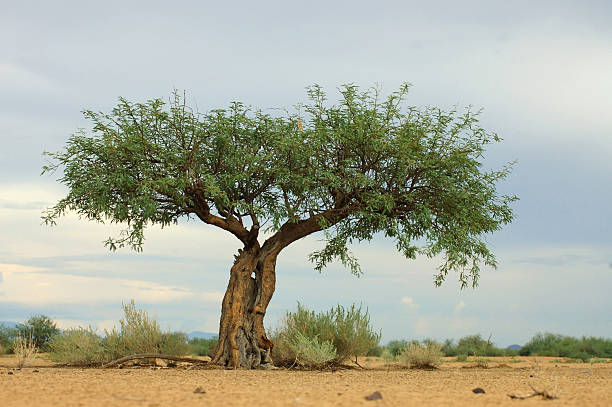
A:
<point x="367" y="165"/>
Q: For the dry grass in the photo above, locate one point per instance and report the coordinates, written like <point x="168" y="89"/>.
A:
<point x="24" y="349"/>
<point x="422" y="356"/>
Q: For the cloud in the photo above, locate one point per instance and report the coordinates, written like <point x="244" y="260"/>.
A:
<point x="460" y="305"/>
<point x="18" y="268"/>
<point x="409" y="303"/>
<point x="16" y="78"/>
<point x="25" y="286"/>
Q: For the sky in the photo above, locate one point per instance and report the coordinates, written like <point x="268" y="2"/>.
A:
<point x="541" y="71"/>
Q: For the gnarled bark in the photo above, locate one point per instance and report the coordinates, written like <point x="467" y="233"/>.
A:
<point x="242" y="339"/>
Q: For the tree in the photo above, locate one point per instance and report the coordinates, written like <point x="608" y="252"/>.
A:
<point x="368" y="165"/>
<point x="40" y="328"/>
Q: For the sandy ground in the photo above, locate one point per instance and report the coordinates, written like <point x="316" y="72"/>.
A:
<point x="42" y="384"/>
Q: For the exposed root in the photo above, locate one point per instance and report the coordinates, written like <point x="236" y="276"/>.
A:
<point x="152" y="356"/>
<point x="545" y="395"/>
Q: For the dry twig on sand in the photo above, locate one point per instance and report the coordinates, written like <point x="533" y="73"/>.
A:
<point x="152" y="356"/>
<point x="545" y="395"/>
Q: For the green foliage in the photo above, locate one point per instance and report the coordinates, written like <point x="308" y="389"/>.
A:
<point x="366" y="166"/>
<point x="203" y="347"/>
<point x="548" y="344"/>
<point x="397" y="346"/>
<point x="40" y="328"/>
<point x="78" y="347"/>
<point x="310" y="352"/>
<point x="137" y="334"/>
<point x="461" y="358"/>
<point x="422" y="356"/>
<point x="473" y="345"/>
<point x="348" y="330"/>
<point x="7" y="335"/>
<point x="376" y="351"/>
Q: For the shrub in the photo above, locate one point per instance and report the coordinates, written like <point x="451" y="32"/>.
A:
<point x="310" y="352"/>
<point x="137" y="334"/>
<point x="387" y="355"/>
<point x="397" y="346"/>
<point x="78" y="347"/>
<point x="422" y="356"/>
<point x="462" y="358"/>
<point x="375" y="351"/>
<point x="348" y="330"/>
<point x="40" y="328"/>
<point x="24" y="349"/>
<point x="202" y="346"/>
<point x="449" y="348"/>
<point x="481" y="362"/>
<point x="7" y="336"/>
<point x="174" y="343"/>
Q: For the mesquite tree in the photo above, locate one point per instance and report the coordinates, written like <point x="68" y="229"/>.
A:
<point x="366" y="166"/>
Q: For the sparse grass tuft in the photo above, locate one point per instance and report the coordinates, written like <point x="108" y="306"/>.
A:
<point x="481" y="362"/>
<point x="24" y="349"/>
<point x="422" y="356"/>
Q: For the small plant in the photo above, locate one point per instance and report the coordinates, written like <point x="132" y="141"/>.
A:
<point x="24" y="349"/>
<point x="461" y="358"/>
<point x="422" y="356"/>
<point x="481" y="362"/>
<point x="312" y="353"/>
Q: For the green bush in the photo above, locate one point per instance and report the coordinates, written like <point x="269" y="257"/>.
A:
<point x="348" y="330"/>
<point x="202" y="346"/>
<point x="137" y="334"/>
<point x="422" y="356"/>
<point x="78" y="347"/>
<point x="7" y="336"/>
<point x="174" y="343"/>
<point x="397" y="346"/>
<point x="375" y="351"/>
<point x="40" y="328"/>
<point x="462" y="358"/>
<point x="310" y="352"/>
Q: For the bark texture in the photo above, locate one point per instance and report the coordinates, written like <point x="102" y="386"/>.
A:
<point x="242" y="339"/>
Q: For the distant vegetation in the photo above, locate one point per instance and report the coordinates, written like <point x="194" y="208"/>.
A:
<point x="306" y="338"/>
<point x="547" y="344"/>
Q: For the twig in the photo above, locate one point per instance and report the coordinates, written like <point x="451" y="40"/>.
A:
<point x="151" y="356"/>
<point x="357" y="363"/>
<point x="545" y="395"/>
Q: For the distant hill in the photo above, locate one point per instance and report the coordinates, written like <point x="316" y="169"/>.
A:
<point x="514" y="347"/>
<point x="9" y="324"/>
<point x="202" y="335"/>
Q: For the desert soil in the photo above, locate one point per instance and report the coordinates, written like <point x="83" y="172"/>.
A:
<point x="40" y="383"/>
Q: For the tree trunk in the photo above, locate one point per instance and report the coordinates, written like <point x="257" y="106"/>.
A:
<point x="242" y="339"/>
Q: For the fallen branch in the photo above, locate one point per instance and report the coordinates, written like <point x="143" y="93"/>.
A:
<point x="151" y="356"/>
<point x="545" y="395"/>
